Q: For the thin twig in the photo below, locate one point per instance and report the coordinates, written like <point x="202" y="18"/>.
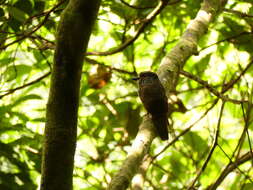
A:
<point x="33" y="30"/>
<point x="226" y="39"/>
<point x="94" y="62"/>
<point x="230" y="161"/>
<point x="238" y="13"/>
<point x="210" y="88"/>
<point x="211" y="151"/>
<point x="10" y="91"/>
<point x="231" y="83"/>
<point x="185" y="131"/>
<point x="139" y="31"/>
<point x="229" y="168"/>
<point x="246" y="118"/>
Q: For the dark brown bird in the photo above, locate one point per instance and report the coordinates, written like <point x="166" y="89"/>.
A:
<point x="153" y="97"/>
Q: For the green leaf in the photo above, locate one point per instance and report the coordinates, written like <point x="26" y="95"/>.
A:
<point x="39" y="119"/>
<point x="1" y="12"/>
<point x="17" y="127"/>
<point x="39" y="5"/>
<point x="16" y="71"/>
<point x="248" y="186"/>
<point x="17" y="14"/>
<point x="24" y="140"/>
<point x="196" y="142"/>
<point x="201" y="65"/>
<point x="23" y="69"/>
<point x="90" y="188"/>
<point x="5" y="61"/>
<point x="20" y="115"/>
<point x="25" y="5"/>
<point x="25" y="98"/>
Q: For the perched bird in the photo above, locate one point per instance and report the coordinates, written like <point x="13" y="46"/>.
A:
<point x="154" y="99"/>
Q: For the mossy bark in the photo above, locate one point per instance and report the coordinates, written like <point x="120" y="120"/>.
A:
<point x="61" y="115"/>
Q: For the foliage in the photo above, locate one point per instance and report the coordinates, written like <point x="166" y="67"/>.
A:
<point x="110" y="113"/>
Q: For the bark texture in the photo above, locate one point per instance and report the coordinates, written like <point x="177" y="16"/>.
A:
<point x="61" y="115"/>
<point x="131" y="165"/>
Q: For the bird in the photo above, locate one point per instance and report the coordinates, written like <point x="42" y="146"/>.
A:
<point x="155" y="101"/>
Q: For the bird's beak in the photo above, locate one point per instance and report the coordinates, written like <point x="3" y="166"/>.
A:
<point x="136" y="78"/>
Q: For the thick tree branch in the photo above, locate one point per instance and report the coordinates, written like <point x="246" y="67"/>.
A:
<point x="187" y="46"/>
<point x="168" y="73"/>
<point x="139" y="148"/>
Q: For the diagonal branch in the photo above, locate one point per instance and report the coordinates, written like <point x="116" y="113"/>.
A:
<point x="139" y="148"/>
<point x="231" y="83"/>
<point x="168" y="73"/>
<point x="226" y="39"/>
<point x="229" y="168"/>
<point x="10" y="91"/>
<point x="94" y="62"/>
<point x="230" y="161"/>
<point x="187" y="46"/>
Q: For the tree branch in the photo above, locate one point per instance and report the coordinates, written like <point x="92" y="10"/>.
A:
<point x="186" y="130"/>
<point x="139" y="148"/>
<point x="168" y="73"/>
<point x="30" y="32"/>
<point x="210" y="88"/>
<point x="226" y="39"/>
<point x="229" y="168"/>
<point x="215" y="143"/>
<point x="10" y="91"/>
<point x="94" y="62"/>
<point x="231" y="83"/>
<point x="139" y="31"/>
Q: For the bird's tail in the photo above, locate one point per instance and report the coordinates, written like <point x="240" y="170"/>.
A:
<point x="161" y="122"/>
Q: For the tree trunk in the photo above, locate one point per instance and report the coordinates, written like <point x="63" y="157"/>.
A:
<point x="61" y="115"/>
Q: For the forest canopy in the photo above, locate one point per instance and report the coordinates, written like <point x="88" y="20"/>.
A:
<point x="210" y="92"/>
